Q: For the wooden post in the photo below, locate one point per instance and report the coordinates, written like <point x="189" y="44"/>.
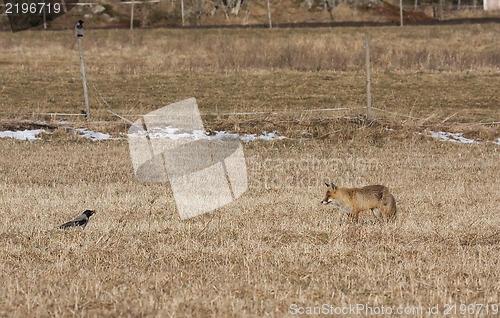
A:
<point x="79" y="36"/>
<point x="368" y="76"/>
<point x="269" y="14"/>
<point x="401" y="12"/>
<point x="440" y="10"/>
<point x="182" y="12"/>
<point x="132" y="15"/>
<point x="44" y="17"/>
<point x="65" y="9"/>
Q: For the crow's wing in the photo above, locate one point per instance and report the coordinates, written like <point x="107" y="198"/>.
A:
<point x="80" y="220"/>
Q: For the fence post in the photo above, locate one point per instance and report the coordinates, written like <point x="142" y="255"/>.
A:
<point x="269" y="14"/>
<point x="182" y="12"/>
<point x="368" y="76"/>
<point x="401" y="12"/>
<point x="44" y="17"/>
<point x="441" y="10"/>
<point x="132" y="15"/>
<point x="79" y="35"/>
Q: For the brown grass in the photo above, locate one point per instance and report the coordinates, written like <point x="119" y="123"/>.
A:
<point x="276" y="247"/>
<point x="291" y="69"/>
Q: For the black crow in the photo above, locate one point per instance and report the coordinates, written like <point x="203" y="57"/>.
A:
<point x="79" y="28"/>
<point x="80" y="220"/>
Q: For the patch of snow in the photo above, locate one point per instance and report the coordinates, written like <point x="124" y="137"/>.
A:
<point x="265" y="136"/>
<point x="93" y="135"/>
<point x="219" y="135"/>
<point x="22" y="134"/>
<point x="453" y="137"/>
<point x="32" y="134"/>
<point x="176" y="134"/>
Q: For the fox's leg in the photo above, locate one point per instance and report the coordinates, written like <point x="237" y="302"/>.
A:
<point x="346" y="210"/>
<point x="340" y="218"/>
<point x="378" y="214"/>
<point x="355" y="215"/>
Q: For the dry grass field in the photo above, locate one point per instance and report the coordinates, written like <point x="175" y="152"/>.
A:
<point x="275" y="251"/>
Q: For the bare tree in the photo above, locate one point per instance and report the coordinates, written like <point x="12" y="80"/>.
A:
<point x="330" y="7"/>
<point x="233" y="6"/>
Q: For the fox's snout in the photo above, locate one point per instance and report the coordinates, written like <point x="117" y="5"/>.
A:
<point x="325" y="201"/>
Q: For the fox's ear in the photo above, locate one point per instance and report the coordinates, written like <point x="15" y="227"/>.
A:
<point x="334" y="187"/>
<point x="327" y="184"/>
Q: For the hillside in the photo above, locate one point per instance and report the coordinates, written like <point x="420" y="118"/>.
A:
<point x="199" y="13"/>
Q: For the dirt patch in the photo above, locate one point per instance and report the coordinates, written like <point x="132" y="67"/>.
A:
<point x="18" y="125"/>
<point x="391" y="13"/>
<point x="345" y="128"/>
<point x="335" y="129"/>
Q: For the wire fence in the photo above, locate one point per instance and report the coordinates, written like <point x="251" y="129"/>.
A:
<point x="292" y="114"/>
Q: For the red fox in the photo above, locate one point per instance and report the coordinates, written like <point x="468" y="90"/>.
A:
<point x="375" y="198"/>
